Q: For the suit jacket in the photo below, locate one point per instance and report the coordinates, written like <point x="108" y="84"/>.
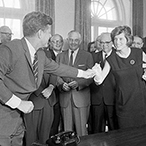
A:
<point x="51" y="54"/>
<point x="80" y="96"/>
<point x="16" y="77"/>
<point x="106" y="91"/>
<point x="37" y="97"/>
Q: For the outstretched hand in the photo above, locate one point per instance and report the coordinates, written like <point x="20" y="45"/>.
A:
<point x="89" y="73"/>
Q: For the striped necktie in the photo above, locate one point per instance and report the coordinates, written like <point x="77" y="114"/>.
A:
<point x="35" y="68"/>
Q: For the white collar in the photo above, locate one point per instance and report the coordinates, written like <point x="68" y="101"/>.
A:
<point x="31" y="49"/>
<point x="75" y="52"/>
<point x="107" y="54"/>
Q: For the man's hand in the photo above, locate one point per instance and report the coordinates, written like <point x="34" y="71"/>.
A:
<point x="65" y="87"/>
<point x="25" y="106"/>
<point x="47" y="92"/>
<point x="89" y="73"/>
<point x="144" y="65"/>
<point x="73" y="84"/>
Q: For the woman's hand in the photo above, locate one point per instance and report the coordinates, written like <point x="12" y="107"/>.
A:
<point x="144" y="75"/>
<point x="98" y="75"/>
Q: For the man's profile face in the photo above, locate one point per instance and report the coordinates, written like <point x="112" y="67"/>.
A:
<point x="46" y="34"/>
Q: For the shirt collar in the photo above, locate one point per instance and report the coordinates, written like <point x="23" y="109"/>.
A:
<point x="56" y="53"/>
<point x="107" y="54"/>
<point x="31" y="49"/>
<point x="75" y="52"/>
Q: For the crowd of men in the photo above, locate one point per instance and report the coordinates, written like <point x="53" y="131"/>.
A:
<point x="62" y="95"/>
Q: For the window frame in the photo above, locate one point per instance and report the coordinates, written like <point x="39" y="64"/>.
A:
<point x="16" y="13"/>
<point x="97" y="22"/>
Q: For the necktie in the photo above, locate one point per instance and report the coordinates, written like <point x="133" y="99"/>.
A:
<point x="105" y="56"/>
<point x="104" y="59"/>
<point x="71" y="59"/>
<point x="35" y="68"/>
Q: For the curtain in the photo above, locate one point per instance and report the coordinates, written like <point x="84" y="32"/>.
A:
<point x="137" y="17"/>
<point x="83" y="21"/>
<point x="48" y="7"/>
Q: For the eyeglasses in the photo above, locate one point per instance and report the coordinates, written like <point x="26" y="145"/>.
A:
<point x="137" y="43"/>
<point x="74" y="40"/>
<point x="6" y="33"/>
<point x="106" y="43"/>
<point x="58" y="41"/>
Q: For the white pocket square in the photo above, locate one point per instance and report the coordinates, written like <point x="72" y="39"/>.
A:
<point x="81" y="65"/>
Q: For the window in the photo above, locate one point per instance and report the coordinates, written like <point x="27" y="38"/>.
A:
<point x="12" y="13"/>
<point x="14" y="25"/>
<point x="10" y="3"/>
<point x="105" y="15"/>
<point x="104" y="9"/>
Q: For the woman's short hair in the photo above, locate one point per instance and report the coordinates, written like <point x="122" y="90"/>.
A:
<point x="123" y="29"/>
<point x="89" y="45"/>
<point x="34" y="21"/>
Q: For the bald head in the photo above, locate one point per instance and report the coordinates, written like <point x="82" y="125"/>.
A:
<point x="5" y="34"/>
<point x="57" y="42"/>
<point x="105" y="35"/>
<point x="137" y="42"/>
<point x="74" y="40"/>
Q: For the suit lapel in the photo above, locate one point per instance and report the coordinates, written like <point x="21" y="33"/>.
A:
<point x="53" y="55"/>
<point x="27" y="55"/>
<point x="66" y="58"/>
<point x="41" y="62"/>
<point x="78" y="57"/>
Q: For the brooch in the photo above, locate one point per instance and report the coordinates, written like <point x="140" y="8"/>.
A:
<point x="132" y="62"/>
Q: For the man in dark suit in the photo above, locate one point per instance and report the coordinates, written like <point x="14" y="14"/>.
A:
<point x="17" y="78"/>
<point x="39" y="121"/>
<point x="56" y="44"/>
<point x="103" y="96"/>
<point x="75" y="93"/>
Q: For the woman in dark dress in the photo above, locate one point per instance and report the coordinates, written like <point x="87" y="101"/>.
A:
<point x="127" y="66"/>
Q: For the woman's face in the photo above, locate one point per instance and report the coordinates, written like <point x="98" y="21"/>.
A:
<point x="120" y="41"/>
<point x="92" y="48"/>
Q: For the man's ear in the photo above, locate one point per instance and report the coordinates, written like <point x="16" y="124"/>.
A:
<point x="39" y="33"/>
<point x="80" y="41"/>
<point x="142" y="44"/>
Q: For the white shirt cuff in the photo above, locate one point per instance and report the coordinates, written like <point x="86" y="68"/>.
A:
<point x="80" y="73"/>
<point x="13" y="102"/>
<point x="51" y="86"/>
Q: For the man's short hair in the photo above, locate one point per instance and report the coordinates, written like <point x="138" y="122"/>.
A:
<point x="35" y="21"/>
<point x="51" y="38"/>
